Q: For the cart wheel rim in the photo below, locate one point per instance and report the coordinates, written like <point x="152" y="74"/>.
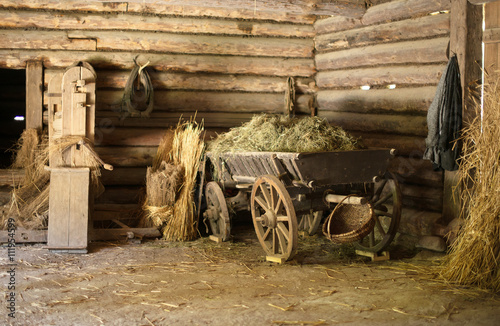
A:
<point x="310" y="222"/>
<point x="274" y="217"/>
<point x="217" y="212"/>
<point x="387" y="203"/>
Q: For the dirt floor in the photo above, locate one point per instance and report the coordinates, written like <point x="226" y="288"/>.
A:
<point x="205" y="283"/>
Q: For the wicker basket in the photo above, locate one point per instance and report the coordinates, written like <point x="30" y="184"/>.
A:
<point x="349" y="222"/>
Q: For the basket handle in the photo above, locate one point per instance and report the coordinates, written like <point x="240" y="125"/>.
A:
<point x="329" y="218"/>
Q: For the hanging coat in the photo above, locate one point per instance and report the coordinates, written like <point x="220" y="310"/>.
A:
<point x="444" y="120"/>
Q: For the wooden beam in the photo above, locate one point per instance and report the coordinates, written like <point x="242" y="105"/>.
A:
<point x="481" y="2"/>
<point x="381" y="76"/>
<point x="422" y="27"/>
<point x="421" y="51"/>
<point x="34" y="95"/>
<point x="11" y="177"/>
<point x="16" y="59"/>
<point x="465" y="41"/>
<point x="402" y="9"/>
<point x="21" y="19"/>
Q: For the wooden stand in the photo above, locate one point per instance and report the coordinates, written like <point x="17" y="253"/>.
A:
<point x="69" y="210"/>
<point x="375" y="256"/>
<point x="275" y="259"/>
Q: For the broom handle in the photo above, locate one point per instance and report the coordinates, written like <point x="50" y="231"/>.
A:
<point x="106" y="166"/>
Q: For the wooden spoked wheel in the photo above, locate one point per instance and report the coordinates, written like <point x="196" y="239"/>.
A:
<point x="217" y="213"/>
<point x="274" y="217"/>
<point x="386" y="202"/>
<point x="309" y="223"/>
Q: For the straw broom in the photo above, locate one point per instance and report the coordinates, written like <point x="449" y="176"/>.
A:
<point x="474" y="257"/>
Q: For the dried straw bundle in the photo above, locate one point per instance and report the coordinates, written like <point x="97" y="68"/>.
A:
<point x="187" y="150"/>
<point x="278" y="133"/>
<point x="30" y="201"/>
<point x="475" y="255"/>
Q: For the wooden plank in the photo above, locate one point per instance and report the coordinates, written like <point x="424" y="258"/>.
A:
<point x="121" y="195"/>
<point x="422" y="27"/>
<point x="402" y="9"/>
<point x="53" y="40"/>
<point x="124" y="176"/>
<point x="59" y="209"/>
<point x="413" y="146"/>
<point x="404" y="101"/>
<point x="34" y="95"/>
<point x="22" y="19"/>
<point x="336" y="24"/>
<point x="397" y="124"/>
<point x="381" y="76"/>
<point x="421" y="51"/>
<point x="415" y="170"/>
<point x="197" y="44"/>
<point x="11" y="177"/>
<point x="205" y="101"/>
<point x="491" y="35"/>
<point x="226" y="120"/>
<point x="127" y="156"/>
<point x="206" y="82"/>
<point x="78" y="224"/>
<point x="269" y="66"/>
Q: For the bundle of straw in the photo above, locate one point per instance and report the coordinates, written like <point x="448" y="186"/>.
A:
<point x="30" y="200"/>
<point x="170" y="182"/>
<point x="475" y="255"/>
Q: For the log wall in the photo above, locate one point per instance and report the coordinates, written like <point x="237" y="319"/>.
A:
<point x="398" y="43"/>
<point x="221" y="64"/>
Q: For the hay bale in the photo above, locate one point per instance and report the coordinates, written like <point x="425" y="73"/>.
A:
<point x="162" y="185"/>
<point x="474" y="256"/>
<point x="278" y="133"/>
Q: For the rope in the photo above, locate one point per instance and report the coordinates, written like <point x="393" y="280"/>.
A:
<point x="135" y="103"/>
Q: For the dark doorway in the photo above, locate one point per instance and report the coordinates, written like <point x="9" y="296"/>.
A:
<point x="12" y="111"/>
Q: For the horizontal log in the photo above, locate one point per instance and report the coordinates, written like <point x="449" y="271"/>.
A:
<point x="335" y="24"/>
<point x="409" y="52"/>
<point x="405" y="100"/>
<point x="415" y="170"/>
<point x="128" y="176"/>
<point x="381" y="76"/>
<point x="413" y="146"/>
<point x="22" y="39"/>
<point x="199" y="81"/>
<point x="127" y="156"/>
<point x="21" y="19"/>
<point x="122" y="136"/>
<point x="418" y="222"/>
<point x="421" y="197"/>
<point x="402" y="9"/>
<point x="196" y="44"/>
<point x="170" y="119"/>
<point x="423" y="27"/>
<point x="179" y="101"/>
<point x="397" y="124"/>
<point x="121" y="195"/>
<point x="11" y="177"/>
<point x="15" y="59"/>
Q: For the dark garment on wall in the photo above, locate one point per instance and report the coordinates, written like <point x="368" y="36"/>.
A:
<point x="444" y="120"/>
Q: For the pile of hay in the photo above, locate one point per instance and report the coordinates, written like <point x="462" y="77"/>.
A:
<point x="170" y="183"/>
<point x="475" y="255"/>
<point x="278" y="133"/>
<point x="30" y="200"/>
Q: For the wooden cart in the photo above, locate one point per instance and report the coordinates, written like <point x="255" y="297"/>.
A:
<point x="279" y="187"/>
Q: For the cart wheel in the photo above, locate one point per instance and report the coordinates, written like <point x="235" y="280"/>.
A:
<point x="274" y="217"/>
<point x="217" y="213"/>
<point x="386" y="203"/>
<point x="310" y="222"/>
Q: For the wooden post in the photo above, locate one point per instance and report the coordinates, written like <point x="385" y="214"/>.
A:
<point x="34" y="95"/>
<point x="465" y="41"/>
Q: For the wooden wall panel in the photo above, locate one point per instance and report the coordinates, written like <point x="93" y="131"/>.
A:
<point x="398" y="50"/>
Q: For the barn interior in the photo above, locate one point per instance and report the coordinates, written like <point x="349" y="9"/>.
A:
<point x="370" y="67"/>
